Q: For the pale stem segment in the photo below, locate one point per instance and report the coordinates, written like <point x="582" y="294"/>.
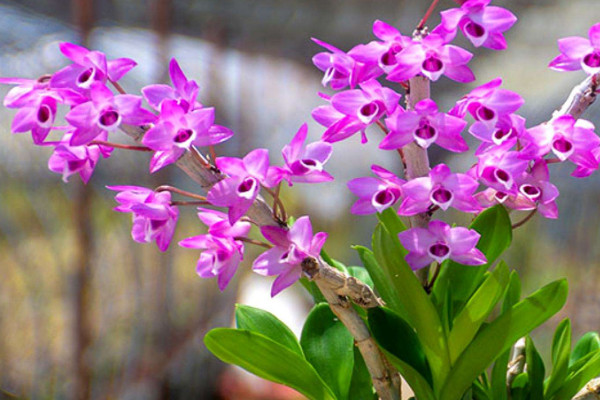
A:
<point x="591" y="391"/>
<point x="516" y="365"/>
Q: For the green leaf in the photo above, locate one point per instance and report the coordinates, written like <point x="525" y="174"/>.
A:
<point x="399" y="338"/>
<point x="561" y="349"/>
<point x="267" y="359"/>
<point x="361" y="386"/>
<point x="497" y="337"/>
<point x="329" y="347"/>
<point x="412" y="303"/>
<point x="535" y="371"/>
<point x="263" y="322"/>
<point x="519" y="390"/>
<point x="495" y="229"/>
<point x="480" y="305"/>
<point x="578" y="379"/>
<point x="334" y="263"/>
<point x="511" y="297"/>
<point x="313" y="290"/>
<point x="588" y="343"/>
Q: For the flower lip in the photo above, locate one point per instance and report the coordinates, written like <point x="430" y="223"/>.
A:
<point x="474" y="29"/>
<point x="441" y="197"/>
<point x="484" y="114"/>
<point x="432" y="64"/>
<point x="501" y="135"/>
<point x="109" y="119"/>
<point x="500" y="196"/>
<point x="439" y="251"/>
<point x="503" y="177"/>
<point x="563" y="148"/>
<point x="184" y="137"/>
<point x="369" y="112"/>
<point x="44" y="116"/>
<point x="383" y="199"/>
<point x="86" y="78"/>
<point x="425" y="134"/>
<point x="592" y="60"/>
<point x="530" y="191"/>
<point x="388" y="58"/>
<point x="247" y="187"/>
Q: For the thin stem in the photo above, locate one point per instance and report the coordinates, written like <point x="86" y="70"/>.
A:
<point x="213" y="154"/>
<point x="253" y="241"/>
<point x="275" y="204"/>
<point x="277" y="200"/>
<point x="120" y="146"/>
<point x="436" y="273"/>
<point x="553" y="161"/>
<point x="118" y="87"/>
<point x="189" y="203"/>
<point x="167" y="188"/>
<point x="427" y="15"/>
<point x="524" y="220"/>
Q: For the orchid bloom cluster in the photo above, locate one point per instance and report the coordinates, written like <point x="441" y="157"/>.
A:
<point x="511" y="165"/>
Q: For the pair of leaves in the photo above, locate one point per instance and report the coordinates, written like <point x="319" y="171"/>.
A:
<point x="323" y="365"/>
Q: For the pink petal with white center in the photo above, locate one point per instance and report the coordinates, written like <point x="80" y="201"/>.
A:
<point x="409" y="63"/>
<point x="349" y="102"/>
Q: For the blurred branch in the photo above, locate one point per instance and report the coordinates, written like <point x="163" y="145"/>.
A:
<point x="581" y="97"/>
<point x="591" y="391"/>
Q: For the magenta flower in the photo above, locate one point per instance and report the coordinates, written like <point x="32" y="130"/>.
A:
<point x="579" y="53"/>
<point x="154" y="218"/>
<point x="441" y="188"/>
<point x="424" y="125"/>
<point x="88" y="67"/>
<point x="184" y="91"/>
<point x="432" y="57"/>
<point x="500" y="168"/>
<point x="219" y="225"/>
<point x="69" y="160"/>
<point x="376" y="194"/>
<point x="220" y="257"/>
<point x="354" y="110"/>
<point x="302" y="164"/>
<point x="486" y="103"/>
<point x="240" y="189"/>
<point x="104" y="113"/>
<point x="177" y="130"/>
<point x="507" y="129"/>
<point x="291" y="247"/>
<point x="568" y="138"/>
<point x="440" y="242"/>
<point x="482" y="24"/>
<point x="536" y="187"/>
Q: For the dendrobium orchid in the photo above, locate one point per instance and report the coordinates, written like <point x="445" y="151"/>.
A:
<point x="184" y="91"/>
<point x="440" y="242"/>
<point x="424" y="125"/>
<point x="240" y="189"/>
<point x="154" y="218"/>
<point x="441" y="188"/>
<point x="579" y="53"/>
<point x="302" y="164"/>
<point x="481" y="23"/>
<point x="376" y="194"/>
<point x="291" y="248"/>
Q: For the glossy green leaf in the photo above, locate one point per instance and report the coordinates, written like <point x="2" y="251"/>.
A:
<point x="519" y="390"/>
<point x="497" y="337"/>
<point x="498" y="380"/>
<point x="267" y="359"/>
<point x="561" y="350"/>
<point x="588" y="343"/>
<point x="329" y="347"/>
<point x="480" y="305"/>
<point x="415" y="305"/>
<point x="535" y="371"/>
<point x="361" y="386"/>
<point x="261" y="321"/>
<point x="495" y="229"/>
<point x="579" y="378"/>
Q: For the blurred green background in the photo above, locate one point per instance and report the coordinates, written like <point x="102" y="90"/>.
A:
<point x="86" y="313"/>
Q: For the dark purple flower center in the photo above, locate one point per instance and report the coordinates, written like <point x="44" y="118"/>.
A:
<point x="247" y="185"/>
<point x="184" y="104"/>
<point x="109" y="118"/>
<point x="439" y="250"/>
<point x="592" y="60"/>
<point x="425" y="131"/>
<point x="501" y="175"/>
<point x="335" y="73"/>
<point x="156" y="224"/>
<point x="531" y="191"/>
<point x="369" y="110"/>
<point x="562" y="145"/>
<point x="75" y="165"/>
<point x="389" y="57"/>
<point x="183" y="135"/>
<point x="500" y="196"/>
<point x="44" y="114"/>
<point x="222" y="255"/>
<point x="384" y="197"/>
<point x="485" y="114"/>
<point x="501" y="135"/>
<point x="475" y="30"/>
<point x="432" y="64"/>
<point x="441" y="195"/>
<point x="85" y="77"/>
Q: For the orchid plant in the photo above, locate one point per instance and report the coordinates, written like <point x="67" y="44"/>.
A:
<point x="447" y="330"/>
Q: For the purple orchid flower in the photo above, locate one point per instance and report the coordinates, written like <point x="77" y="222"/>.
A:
<point x="240" y="189"/>
<point x="579" y="53"/>
<point x="291" y="248"/>
<point x="177" y="130"/>
<point x="219" y="225"/>
<point x="354" y="110"/>
<point x="376" y="194"/>
<point x="441" y="188"/>
<point x="440" y="242"/>
<point x="104" y="113"/>
<point x="568" y="138"/>
<point x="507" y="129"/>
<point x="424" y="125"/>
<point x="88" y="67"/>
<point x="487" y="102"/>
<point x="69" y="160"/>
<point x="482" y="24"/>
<point x="184" y="91"/>
<point x="432" y="57"/>
<point x="499" y="169"/>
<point x="302" y="164"/>
<point x="220" y="257"/>
<point x="154" y="218"/>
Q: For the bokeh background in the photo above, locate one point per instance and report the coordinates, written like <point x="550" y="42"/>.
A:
<point x="86" y="313"/>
